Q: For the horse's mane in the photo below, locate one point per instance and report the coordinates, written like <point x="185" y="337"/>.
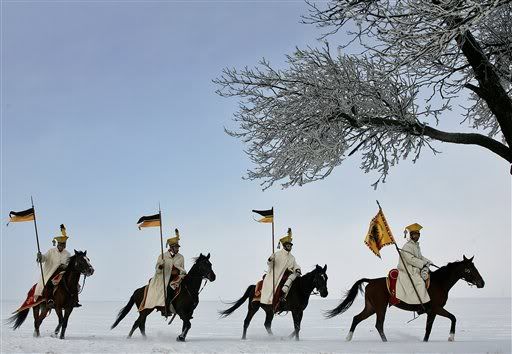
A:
<point x="446" y="269"/>
<point x="196" y="259"/>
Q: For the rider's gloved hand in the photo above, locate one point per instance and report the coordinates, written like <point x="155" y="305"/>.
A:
<point x="39" y="257"/>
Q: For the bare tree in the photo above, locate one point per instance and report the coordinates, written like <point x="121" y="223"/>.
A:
<point x="385" y="100"/>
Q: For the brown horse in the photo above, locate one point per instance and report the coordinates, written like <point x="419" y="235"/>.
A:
<point x="64" y="296"/>
<point x="377" y="297"/>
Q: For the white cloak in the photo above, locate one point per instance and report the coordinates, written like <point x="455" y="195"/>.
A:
<point x="282" y="260"/>
<point x="51" y="260"/>
<point x="414" y="261"/>
<point x="155" y="293"/>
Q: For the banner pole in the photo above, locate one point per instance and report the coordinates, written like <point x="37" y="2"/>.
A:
<point x="274" y="260"/>
<point x="163" y="266"/>
<point x="38" y="247"/>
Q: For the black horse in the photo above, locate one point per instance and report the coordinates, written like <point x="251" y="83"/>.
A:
<point x="377" y="297"/>
<point x="184" y="303"/>
<point x="296" y="300"/>
<point x="65" y="296"/>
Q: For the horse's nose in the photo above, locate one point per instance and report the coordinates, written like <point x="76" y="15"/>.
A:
<point x="480" y="284"/>
<point x="91" y="271"/>
<point x="212" y="276"/>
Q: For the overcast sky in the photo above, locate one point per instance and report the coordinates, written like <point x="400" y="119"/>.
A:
<point x="108" y="109"/>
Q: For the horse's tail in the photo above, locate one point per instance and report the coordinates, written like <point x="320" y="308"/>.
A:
<point x="18" y="318"/>
<point x="350" y="296"/>
<point x="124" y="311"/>
<point x="249" y="293"/>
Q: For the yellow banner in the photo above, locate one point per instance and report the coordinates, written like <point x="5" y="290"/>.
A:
<point x="379" y="234"/>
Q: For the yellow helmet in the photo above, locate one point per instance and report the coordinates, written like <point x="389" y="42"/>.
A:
<point x="61" y="238"/>
<point x="171" y="241"/>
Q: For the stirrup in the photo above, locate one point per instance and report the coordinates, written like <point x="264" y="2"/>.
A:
<point x="50" y="303"/>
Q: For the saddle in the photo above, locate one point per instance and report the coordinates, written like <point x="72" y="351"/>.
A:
<point x="277" y="294"/>
<point x="31" y="300"/>
<point x="391" y="280"/>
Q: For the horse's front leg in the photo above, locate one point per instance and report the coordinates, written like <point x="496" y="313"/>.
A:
<point x="67" y="312"/>
<point x="444" y="313"/>
<point x="184" y="330"/>
<point x="297" y="319"/>
<point x="58" y="311"/>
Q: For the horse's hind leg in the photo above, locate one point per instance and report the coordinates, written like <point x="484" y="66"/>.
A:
<point x="252" y="309"/>
<point x="134" y="327"/>
<point x="379" y="324"/>
<point x="269" y="316"/>
<point x="367" y="312"/>
<point x="142" y="321"/>
<point x="35" y="311"/>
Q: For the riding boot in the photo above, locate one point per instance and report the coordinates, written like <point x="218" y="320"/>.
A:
<point x="170" y="297"/>
<point x="75" y="301"/>
<point x="49" y="294"/>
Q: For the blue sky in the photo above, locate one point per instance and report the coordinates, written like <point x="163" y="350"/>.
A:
<point x="108" y="109"/>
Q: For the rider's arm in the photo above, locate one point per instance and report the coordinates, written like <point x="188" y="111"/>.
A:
<point x="410" y="258"/>
<point x="180" y="264"/>
<point x="159" y="264"/>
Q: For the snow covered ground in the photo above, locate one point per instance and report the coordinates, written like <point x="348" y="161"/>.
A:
<point x="483" y="326"/>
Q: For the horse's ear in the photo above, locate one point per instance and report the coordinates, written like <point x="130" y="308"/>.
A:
<point x="200" y="255"/>
<point x="75" y="251"/>
<point x="317" y="267"/>
<point x="471" y="259"/>
<point x="208" y="256"/>
<point x="464" y="257"/>
<point x="325" y="268"/>
<point x="85" y="253"/>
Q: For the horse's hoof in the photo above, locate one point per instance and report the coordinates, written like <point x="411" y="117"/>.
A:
<point x="349" y="336"/>
<point x="451" y="338"/>
<point x="180" y="339"/>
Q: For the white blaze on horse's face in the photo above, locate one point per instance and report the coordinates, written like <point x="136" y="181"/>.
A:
<point x="90" y="270"/>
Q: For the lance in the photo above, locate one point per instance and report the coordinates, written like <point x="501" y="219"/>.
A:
<point x="406" y="270"/>
<point x="163" y="267"/>
<point x="37" y="241"/>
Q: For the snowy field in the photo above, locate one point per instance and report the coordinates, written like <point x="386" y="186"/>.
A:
<point x="483" y="326"/>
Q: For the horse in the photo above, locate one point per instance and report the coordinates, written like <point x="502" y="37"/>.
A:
<point x="184" y="303"/>
<point x="296" y="301"/>
<point x="377" y="297"/>
<point x="65" y="295"/>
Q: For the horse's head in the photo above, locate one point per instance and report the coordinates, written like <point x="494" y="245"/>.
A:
<point x="320" y="280"/>
<point x="470" y="273"/>
<point x="203" y="267"/>
<point x="82" y="263"/>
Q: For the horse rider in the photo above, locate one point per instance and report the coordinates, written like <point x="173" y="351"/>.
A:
<point x="412" y="260"/>
<point x="278" y="263"/>
<point x="173" y="266"/>
<point x="54" y="261"/>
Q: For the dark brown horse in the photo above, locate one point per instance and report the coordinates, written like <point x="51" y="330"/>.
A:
<point x="65" y="296"/>
<point x="184" y="303"/>
<point x="296" y="300"/>
<point x="377" y="297"/>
